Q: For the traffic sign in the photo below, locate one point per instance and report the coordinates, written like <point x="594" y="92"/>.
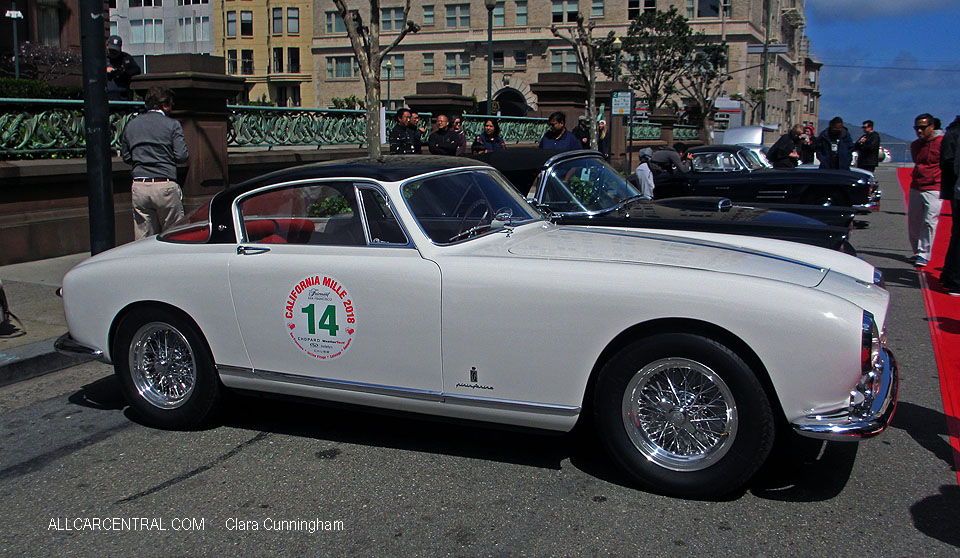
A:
<point x="621" y="102"/>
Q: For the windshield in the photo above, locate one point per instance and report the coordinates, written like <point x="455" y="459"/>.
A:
<point x="455" y="206"/>
<point x="755" y="160"/>
<point x="585" y="185"/>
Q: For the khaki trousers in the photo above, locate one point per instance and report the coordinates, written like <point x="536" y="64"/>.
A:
<point x="156" y="207"/>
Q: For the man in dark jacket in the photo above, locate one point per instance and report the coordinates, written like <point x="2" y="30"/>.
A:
<point x="949" y="171"/>
<point x="834" y="146"/>
<point x="153" y="144"/>
<point x="404" y="137"/>
<point x="869" y="147"/>
<point x="121" y="67"/>
<point x="557" y="136"/>
<point x="785" y="154"/>
<point x="444" y="140"/>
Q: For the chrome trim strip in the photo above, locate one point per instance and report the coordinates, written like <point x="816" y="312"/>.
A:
<point x="69" y="346"/>
<point x="393" y="391"/>
<point x="843" y="425"/>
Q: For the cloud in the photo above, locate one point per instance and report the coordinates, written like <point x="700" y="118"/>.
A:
<point x="859" y="10"/>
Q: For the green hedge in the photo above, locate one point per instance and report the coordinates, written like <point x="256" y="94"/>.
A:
<point x="36" y="89"/>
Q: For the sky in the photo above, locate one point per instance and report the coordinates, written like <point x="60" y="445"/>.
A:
<point x="886" y="61"/>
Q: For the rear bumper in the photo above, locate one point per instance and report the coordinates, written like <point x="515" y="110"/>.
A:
<point x="846" y="424"/>
<point x="69" y="346"/>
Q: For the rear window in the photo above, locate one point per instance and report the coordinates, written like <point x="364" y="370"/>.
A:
<point x="192" y="229"/>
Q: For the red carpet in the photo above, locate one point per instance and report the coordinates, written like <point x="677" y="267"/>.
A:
<point x="944" y="313"/>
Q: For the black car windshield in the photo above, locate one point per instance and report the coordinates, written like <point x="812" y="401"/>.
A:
<point x="455" y="206"/>
<point x="585" y="184"/>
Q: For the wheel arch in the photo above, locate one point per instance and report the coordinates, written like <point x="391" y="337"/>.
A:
<point x="691" y="326"/>
<point x="147" y="304"/>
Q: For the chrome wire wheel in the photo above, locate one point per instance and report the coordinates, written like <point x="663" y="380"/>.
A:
<point x="679" y="414"/>
<point x="162" y="365"/>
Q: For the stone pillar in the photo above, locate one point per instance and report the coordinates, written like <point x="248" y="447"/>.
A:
<point x="201" y="91"/>
<point x="667" y="119"/>
<point x="439" y="97"/>
<point x="561" y="91"/>
<point x="615" y="124"/>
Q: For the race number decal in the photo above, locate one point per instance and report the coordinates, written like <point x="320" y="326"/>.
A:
<point x="320" y="317"/>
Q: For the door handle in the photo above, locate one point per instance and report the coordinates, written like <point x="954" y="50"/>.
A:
<point x="250" y="250"/>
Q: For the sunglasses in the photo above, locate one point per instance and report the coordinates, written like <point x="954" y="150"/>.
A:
<point x="922" y="128"/>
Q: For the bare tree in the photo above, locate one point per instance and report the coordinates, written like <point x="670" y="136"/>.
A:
<point x="49" y="62"/>
<point x="588" y="50"/>
<point x="365" y="40"/>
<point x="703" y="81"/>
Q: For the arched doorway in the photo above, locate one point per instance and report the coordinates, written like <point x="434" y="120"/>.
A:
<point x="512" y="102"/>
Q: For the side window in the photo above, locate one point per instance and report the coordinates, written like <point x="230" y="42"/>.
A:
<point x="316" y="214"/>
<point x="383" y="224"/>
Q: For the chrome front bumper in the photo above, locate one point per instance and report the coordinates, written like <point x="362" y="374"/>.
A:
<point x="68" y="346"/>
<point x="873" y="202"/>
<point x="845" y="424"/>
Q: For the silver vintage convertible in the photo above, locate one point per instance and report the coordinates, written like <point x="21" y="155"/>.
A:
<point x="428" y="284"/>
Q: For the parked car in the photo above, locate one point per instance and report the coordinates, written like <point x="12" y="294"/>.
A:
<point x="580" y="188"/>
<point x="428" y="284"/>
<point x="737" y="172"/>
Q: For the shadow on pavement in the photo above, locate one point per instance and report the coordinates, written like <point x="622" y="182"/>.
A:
<point x="936" y="516"/>
<point x="104" y="395"/>
<point x="805" y="470"/>
<point x="928" y="428"/>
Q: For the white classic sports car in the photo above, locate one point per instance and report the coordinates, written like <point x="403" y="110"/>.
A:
<point x="428" y="284"/>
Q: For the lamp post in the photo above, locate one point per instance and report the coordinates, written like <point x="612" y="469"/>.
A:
<point x="617" y="48"/>
<point x="14" y="14"/>
<point x="389" y="67"/>
<point x="490" y="4"/>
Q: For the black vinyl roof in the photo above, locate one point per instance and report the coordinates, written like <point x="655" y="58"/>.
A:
<point x="721" y="148"/>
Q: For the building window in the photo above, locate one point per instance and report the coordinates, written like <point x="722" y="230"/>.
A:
<point x="293" y="61"/>
<point x="335" y="23"/>
<point x="499" y="14"/>
<point x="112" y="4"/>
<point x="342" y="67"/>
<point x="521" y="12"/>
<point x="563" y="61"/>
<point x="458" y="15"/>
<point x="231" y="62"/>
<point x="565" y="11"/>
<point x="711" y="8"/>
<point x="196" y="28"/>
<point x="391" y="19"/>
<point x="231" y="24"/>
<point x="288" y="96"/>
<point x="191" y="2"/>
<point x="114" y="28"/>
<point x="691" y="12"/>
<point x="397" y="61"/>
<point x="596" y="8"/>
<point x="277" y="66"/>
<point x="520" y="58"/>
<point x="246" y="24"/>
<point x="633" y="9"/>
<point x="498" y="59"/>
<point x="427" y="63"/>
<point x="293" y="21"/>
<point x="246" y="62"/>
<point x="146" y="3"/>
<point x="649" y="5"/>
<point x="458" y="64"/>
<point x="428" y="17"/>
<point x="276" y="21"/>
<point x="143" y="31"/>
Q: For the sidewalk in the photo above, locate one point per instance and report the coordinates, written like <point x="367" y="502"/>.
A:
<point x="31" y="289"/>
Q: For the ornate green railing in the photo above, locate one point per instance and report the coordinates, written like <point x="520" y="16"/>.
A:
<point x="53" y="127"/>
<point x="686" y="133"/>
<point x="645" y="131"/>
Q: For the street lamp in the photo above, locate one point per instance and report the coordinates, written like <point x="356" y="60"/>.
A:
<point x="490" y="4"/>
<point x="14" y="14"/>
<point x="389" y="67"/>
<point x="617" y="47"/>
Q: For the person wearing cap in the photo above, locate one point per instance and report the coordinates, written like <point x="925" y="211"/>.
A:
<point x="121" y="67"/>
<point x="153" y="144"/>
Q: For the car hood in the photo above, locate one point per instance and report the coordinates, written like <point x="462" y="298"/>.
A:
<point x="759" y="257"/>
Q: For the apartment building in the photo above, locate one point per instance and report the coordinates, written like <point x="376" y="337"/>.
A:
<point x="152" y="27"/>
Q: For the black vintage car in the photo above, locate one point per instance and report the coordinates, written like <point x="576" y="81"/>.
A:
<point x="739" y="173"/>
<point x="580" y="188"/>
